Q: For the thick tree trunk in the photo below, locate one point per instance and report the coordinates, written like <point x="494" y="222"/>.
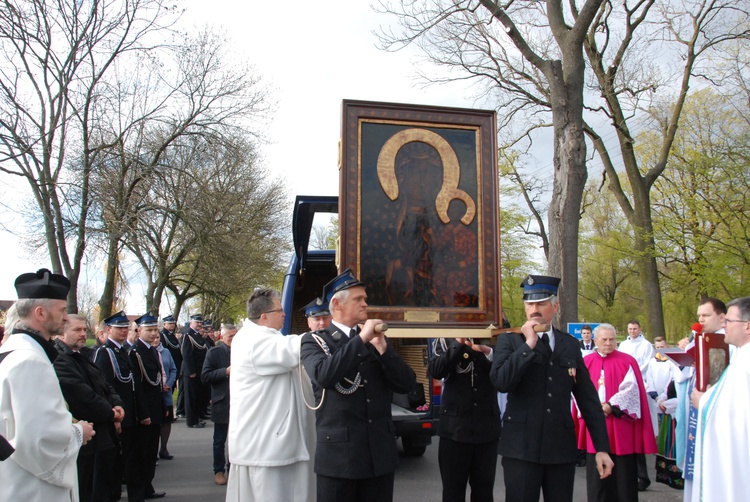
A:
<point x="158" y="294"/>
<point x="107" y="300"/>
<point x="72" y="301"/>
<point x="179" y="302"/>
<point x="564" y="218"/>
<point x="566" y="86"/>
<point x="154" y="293"/>
<point x="646" y="259"/>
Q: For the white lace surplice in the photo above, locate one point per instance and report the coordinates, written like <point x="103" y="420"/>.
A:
<point x="627" y="398"/>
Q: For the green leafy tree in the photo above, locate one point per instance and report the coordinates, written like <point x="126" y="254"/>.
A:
<point x="702" y="208"/>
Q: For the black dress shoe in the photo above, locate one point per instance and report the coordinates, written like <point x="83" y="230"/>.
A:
<point x="166" y="456"/>
<point x="199" y="425"/>
<point x="156" y="495"/>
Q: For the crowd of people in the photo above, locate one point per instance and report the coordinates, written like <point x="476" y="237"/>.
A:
<point x="303" y="417"/>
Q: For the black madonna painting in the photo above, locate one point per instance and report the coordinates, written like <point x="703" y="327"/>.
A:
<point x="419" y="205"/>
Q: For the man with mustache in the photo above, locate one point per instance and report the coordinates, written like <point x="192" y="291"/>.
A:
<point x="540" y="369"/>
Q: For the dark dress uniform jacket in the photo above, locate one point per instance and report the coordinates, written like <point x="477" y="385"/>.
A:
<point x="538" y="424"/>
<point x="147" y="371"/>
<point x="194" y="353"/>
<point x="172" y="344"/>
<point x="214" y="373"/>
<point x="88" y="395"/>
<point x="355" y="432"/>
<point x="469" y="412"/>
<point x="114" y="363"/>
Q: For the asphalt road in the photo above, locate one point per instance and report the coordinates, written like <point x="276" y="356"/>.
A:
<point x="189" y="476"/>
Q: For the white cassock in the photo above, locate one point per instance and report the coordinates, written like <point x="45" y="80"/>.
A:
<point x="723" y="442"/>
<point x="36" y="422"/>
<point x="641" y="349"/>
<point x="271" y="432"/>
<point x="643" y="352"/>
<point x="660" y="374"/>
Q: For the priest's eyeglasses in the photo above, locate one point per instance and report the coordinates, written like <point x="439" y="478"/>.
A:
<point x="726" y="319"/>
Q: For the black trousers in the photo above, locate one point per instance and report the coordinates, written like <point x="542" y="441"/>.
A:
<point x="192" y="399"/>
<point x="472" y="463"/>
<point x="220" y="441"/>
<point x="642" y="467"/>
<point x="524" y="480"/>
<point x="205" y="399"/>
<point x="124" y="459"/>
<point x="621" y="486"/>
<point x="142" y="465"/>
<point x="377" y="489"/>
<point x="180" y="405"/>
<point x="98" y="479"/>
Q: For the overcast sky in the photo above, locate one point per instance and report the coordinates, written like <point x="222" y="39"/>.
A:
<point x="313" y="55"/>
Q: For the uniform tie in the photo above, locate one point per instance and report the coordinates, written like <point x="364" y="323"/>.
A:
<point x="545" y="341"/>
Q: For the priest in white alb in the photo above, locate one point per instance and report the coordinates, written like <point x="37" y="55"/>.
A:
<point x="271" y="432"/>
<point x="723" y="435"/>
<point x="33" y="415"/>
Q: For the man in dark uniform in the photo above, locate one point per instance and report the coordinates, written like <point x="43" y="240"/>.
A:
<point x="208" y="339"/>
<point x="112" y="359"/>
<point x="317" y="314"/>
<point x="469" y="426"/>
<point x="208" y="333"/>
<point x="148" y="372"/>
<point x="354" y="372"/>
<point x="216" y="369"/>
<point x="540" y="368"/>
<point x="90" y="398"/>
<point x="170" y="341"/>
<point x="193" y="354"/>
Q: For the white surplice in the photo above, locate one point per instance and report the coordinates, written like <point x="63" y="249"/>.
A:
<point x="35" y="420"/>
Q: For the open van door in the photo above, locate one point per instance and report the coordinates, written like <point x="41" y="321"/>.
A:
<point x="309" y="270"/>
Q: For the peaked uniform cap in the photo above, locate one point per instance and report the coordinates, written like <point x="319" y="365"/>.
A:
<point x="344" y="280"/>
<point x="316" y="308"/>
<point x="196" y="317"/>
<point x="537" y="288"/>
<point x="169" y="318"/>
<point x="147" y="320"/>
<point x="118" y="320"/>
<point x="42" y="284"/>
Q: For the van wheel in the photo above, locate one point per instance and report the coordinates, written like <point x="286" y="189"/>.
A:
<point x="411" y="449"/>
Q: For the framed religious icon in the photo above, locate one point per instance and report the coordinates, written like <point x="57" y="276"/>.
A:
<point x="418" y="209"/>
<point x="711" y="354"/>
